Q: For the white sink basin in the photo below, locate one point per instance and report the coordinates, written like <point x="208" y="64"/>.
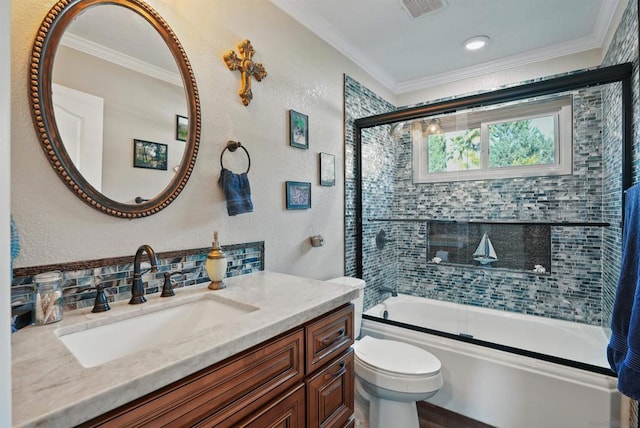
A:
<point x="100" y="344"/>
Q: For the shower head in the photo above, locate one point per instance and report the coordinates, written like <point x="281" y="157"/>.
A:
<point x="397" y="129"/>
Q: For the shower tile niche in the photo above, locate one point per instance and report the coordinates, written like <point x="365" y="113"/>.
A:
<point x="520" y="247"/>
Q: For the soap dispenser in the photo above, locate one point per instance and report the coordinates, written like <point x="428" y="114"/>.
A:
<point x="216" y="265"/>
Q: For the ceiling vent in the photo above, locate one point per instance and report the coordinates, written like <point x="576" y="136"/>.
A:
<point x="418" y="8"/>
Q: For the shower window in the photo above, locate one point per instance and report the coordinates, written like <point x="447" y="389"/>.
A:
<point x="456" y="150"/>
<point x="524" y="139"/>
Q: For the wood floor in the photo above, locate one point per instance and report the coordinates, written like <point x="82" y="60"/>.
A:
<point x="436" y="417"/>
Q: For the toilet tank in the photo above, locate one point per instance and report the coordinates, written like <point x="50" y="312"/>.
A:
<point x="358" y="302"/>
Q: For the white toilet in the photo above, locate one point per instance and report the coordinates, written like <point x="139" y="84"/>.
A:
<point x="391" y="375"/>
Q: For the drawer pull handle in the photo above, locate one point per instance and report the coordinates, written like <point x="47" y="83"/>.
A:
<point x="341" y="370"/>
<point x="340" y="335"/>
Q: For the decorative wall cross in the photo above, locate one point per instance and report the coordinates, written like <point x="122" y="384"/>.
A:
<point x="247" y="68"/>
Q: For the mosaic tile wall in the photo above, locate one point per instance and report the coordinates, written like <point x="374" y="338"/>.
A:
<point x="116" y="274"/>
<point x="379" y="189"/>
<point x="574" y="292"/>
<point x="361" y="102"/>
<point x="624" y="48"/>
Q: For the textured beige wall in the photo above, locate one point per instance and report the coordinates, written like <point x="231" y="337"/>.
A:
<point x="305" y="74"/>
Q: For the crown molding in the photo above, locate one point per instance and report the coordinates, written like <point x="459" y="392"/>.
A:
<point x="113" y="56"/>
<point x="332" y="36"/>
<point x="329" y="34"/>
<point x="538" y="55"/>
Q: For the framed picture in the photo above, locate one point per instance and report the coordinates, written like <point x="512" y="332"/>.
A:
<point x="327" y="169"/>
<point x="298" y="195"/>
<point x="182" y="128"/>
<point x="298" y="130"/>
<point x="147" y="154"/>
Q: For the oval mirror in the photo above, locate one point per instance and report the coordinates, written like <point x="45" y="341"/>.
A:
<point x="115" y="105"/>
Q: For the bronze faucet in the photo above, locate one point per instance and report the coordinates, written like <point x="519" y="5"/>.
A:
<point x="101" y="303"/>
<point x="137" y="289"/>
<point x="393" y="292"/>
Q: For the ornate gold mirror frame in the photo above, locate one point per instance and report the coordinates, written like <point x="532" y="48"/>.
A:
<point x="44" y="49"/>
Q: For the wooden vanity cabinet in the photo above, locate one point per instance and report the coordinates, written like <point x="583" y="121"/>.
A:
<point x="330" y="400"/>
<point x="303" y="378"/>
<point x="330" y="370"/>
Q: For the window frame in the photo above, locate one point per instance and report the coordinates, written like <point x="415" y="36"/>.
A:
<point x="561" y="108"/>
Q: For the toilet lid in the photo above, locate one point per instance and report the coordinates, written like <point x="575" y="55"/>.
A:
<point x="396" y="357"/>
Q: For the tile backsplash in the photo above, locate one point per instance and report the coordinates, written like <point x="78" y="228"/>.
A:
<point x="116" y="275"/>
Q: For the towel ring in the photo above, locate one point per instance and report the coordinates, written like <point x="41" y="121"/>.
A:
<point x="232" y="146"/>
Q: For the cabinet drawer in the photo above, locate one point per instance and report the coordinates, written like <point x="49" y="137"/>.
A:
<point x="328" y="337"/>
<point x="351" y="423"/>
<point x="223" y="394"/>
<point x="287" y="412"/>
<point x="330" y="399"/>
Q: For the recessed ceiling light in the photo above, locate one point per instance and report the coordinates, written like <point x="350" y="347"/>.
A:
<point x="476" y="42"/>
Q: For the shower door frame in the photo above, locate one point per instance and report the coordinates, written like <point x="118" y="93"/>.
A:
<point x="577" y="80"/>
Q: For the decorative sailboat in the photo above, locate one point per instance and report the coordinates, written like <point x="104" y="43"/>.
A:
<point x="485" y="254"/>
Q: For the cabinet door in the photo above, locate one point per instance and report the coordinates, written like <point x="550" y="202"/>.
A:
<point x="328" y="337"/>
<point x="287" y="412"/>
<point x="330" y="401"/>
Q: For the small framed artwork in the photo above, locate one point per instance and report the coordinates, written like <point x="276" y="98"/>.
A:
<point x="298" y="195"/>
<point x="327" y="169"/>
<point x="147" y="154"/>
<point x="298" y="130"/>
<point x="182" y="128"/>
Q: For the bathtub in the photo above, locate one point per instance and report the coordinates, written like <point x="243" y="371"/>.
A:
<point x="506" y="369"/>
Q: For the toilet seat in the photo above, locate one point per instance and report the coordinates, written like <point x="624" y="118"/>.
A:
<point x="397" y="366"/>
<point x="396" y="357"/>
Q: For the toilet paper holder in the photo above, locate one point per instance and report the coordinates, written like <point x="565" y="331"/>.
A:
<point x="316" y="240"/>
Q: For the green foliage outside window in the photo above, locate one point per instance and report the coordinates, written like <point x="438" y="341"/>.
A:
<point x="516" y="143"/>
<point x="454" y="151"/>
<point x="521" y="143"/>
<point x="437" y="153"/>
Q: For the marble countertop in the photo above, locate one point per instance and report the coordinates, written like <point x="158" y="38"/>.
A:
<point x="51" y="388"/>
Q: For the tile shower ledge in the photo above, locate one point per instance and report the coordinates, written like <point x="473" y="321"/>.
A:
<point x="51" y="388"/>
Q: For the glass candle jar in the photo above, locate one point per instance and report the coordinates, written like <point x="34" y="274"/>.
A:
<point x="48" y="305"/>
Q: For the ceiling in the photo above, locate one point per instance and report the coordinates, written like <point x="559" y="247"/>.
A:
<point x="405" y="53"/>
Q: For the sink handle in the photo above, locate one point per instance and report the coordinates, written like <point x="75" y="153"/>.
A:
<point x="167" y="289"/>
<point x="101" y="304"/>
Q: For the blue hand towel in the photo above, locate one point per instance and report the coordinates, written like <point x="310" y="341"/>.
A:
<point x="237" y="191"/>
<point x="15" y="250"/>
<point x="623" y="351"/>
<point x="15" y="241"/>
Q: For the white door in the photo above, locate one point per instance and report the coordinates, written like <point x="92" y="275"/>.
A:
<point x="79" y="117"/>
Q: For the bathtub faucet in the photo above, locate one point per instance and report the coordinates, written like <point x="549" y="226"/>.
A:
<point x="394" y="293"/>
